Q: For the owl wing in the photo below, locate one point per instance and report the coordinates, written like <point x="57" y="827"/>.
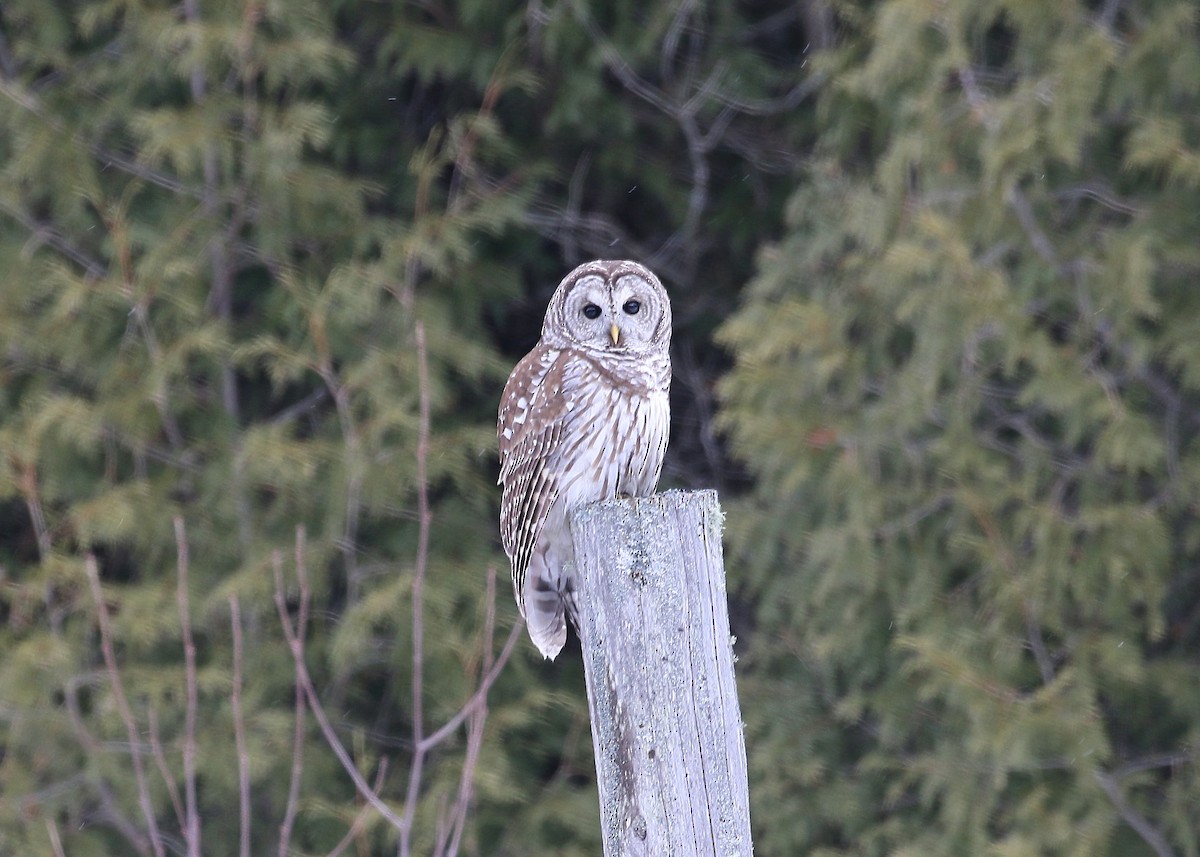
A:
<point x="530" y="425"/>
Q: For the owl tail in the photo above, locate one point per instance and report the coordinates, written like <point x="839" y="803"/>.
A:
<point x="544" y="608"/>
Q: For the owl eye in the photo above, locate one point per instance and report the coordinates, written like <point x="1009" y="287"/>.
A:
<point x="632" y="307"/>
<point x="592" y="311"/>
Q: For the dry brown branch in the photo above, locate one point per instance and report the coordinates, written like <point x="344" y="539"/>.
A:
<point x="239" y="729"/>
<point x="122" y="703"/>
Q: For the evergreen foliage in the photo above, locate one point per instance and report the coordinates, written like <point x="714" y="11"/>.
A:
<point x="264" y="267"/>
<point x="966" y="385"/>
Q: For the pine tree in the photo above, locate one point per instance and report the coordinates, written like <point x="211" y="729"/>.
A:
<point x="967" y="384"/>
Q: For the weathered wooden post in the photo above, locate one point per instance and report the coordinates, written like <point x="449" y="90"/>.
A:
<point x="666" y="728"/>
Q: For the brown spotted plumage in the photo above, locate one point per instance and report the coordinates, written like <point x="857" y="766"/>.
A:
<point x="584" y="417"/>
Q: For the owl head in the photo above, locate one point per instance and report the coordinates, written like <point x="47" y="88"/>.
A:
<point x="616" y="307"/>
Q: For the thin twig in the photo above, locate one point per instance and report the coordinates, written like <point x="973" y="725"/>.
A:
<point x="361" y="817"/>
<point x="1150" y="763"/>
<point x="418" y="597"/>
<point x="27" y="484"/>
<point x="475" y="729"/>
<point x="477" y="698"/>
<point x="239" y="728"/>
<point x="131" y="730"/>
<point x="304" y="683"/>
<point x="298" y="728"/>
<point x="91" y="746"/>
<point x="353" y="460"/>
<point x="55" y="841"/>
<point x="191" y="831"/>
<point x="46" y="234"/>
<point x="1037" y="645"/>
<point x="164" y="770"/>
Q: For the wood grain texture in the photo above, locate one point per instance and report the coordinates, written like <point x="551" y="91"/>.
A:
<point x="666" y="727"/>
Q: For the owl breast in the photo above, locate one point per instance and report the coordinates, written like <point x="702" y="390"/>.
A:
<point x="613" y="445"/>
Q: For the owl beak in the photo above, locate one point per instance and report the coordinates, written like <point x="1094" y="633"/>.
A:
<point x="615" y="333"/>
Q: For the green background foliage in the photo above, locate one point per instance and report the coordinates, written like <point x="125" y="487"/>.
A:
<point x="264" y="266"/>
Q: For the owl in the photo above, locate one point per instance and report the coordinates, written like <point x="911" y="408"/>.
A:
<point x="584" y="417"/>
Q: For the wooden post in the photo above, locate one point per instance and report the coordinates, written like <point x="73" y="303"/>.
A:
<point x="658" y="658"/>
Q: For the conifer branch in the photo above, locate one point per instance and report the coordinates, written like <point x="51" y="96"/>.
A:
<point x="122" y="703"/>
<point x="108" y="157"/>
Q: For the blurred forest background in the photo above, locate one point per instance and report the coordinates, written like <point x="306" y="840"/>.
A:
<point x="265" y="265"/>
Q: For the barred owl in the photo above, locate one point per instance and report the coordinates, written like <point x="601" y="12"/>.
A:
<point x="584" y="417"/>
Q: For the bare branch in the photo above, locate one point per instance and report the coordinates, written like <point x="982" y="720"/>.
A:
<point x="108" y="802"/>
<point x="574" y="204"/>
<point x="361" y="817"/>
<point x="1037" y="645"/>
<point x="348" y="544"/>
<point x="304" y="683"/>
<point x="27" y="484"/>
<point x="55" y="841"/>
<point x="1150" y="834"/>
<point x="239" y="729"/>
<point x="418" y="597"/>
<point x="1152" y="762"/>
<point x="293" y="798"/>
<point x="475" y="729"/>
<point x="191" y="831"/>
<point x="110" y="158"/>
<point x="480" y="695"/>
<point x="304" y="405"/>
<point x="164" y="770"/>
<point x="131" y="730"/>
<point x="1024" y="211"/>
<point x="44" y="233"/>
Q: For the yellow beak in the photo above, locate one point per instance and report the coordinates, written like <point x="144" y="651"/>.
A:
<point x="615" y="333"/>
